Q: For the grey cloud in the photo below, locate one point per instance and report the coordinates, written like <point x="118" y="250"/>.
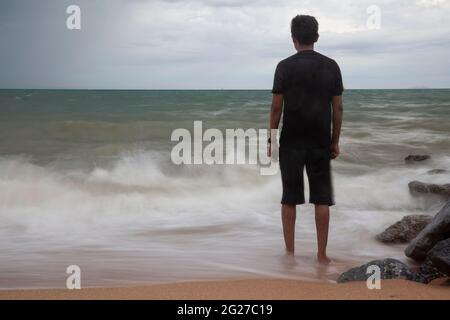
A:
<point x="215" y="44"/>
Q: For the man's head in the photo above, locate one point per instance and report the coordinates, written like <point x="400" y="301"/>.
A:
<point x="305" y="29"/>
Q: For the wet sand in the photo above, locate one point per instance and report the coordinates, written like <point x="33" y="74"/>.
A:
<point x="265" y="289"/>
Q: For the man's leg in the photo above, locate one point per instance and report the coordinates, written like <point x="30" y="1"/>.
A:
<point x="322" y="223"/>
<point x="288" y="215"/>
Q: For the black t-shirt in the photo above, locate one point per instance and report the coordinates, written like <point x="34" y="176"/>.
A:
<point x="308" y="80"/>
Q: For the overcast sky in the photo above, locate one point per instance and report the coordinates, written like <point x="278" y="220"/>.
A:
<point x="206" y="44"/>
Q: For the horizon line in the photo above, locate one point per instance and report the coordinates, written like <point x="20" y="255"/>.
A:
<point x="213" y="89"/>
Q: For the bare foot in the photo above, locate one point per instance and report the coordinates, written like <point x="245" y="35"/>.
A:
<point x="323" y="259"/>
<point x="288" y="259"/>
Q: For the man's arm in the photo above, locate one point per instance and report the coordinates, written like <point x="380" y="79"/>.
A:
<point x="275" y="116"/>
<point x="276" y="110"/>
<point x="338" y="109"/>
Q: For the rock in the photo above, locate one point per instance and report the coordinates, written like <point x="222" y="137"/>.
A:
<point x="405" y="230"/>
<point x="421" y="188"/>
<point x="437" y="230"/>
<point x="437" y="262"/>
<point x="390" y="269"/>
<point x="413" y="158"/>
<point x="436" y="171"/>
<point x="440" y="256"/>
<point x="428" y="272"/>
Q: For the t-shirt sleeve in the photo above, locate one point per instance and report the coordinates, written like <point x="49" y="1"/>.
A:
<point x="278" y="81"/>
<point x="338" y="87"/>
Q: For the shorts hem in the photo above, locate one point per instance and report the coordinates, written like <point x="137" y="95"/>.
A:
<point x="322" y="202"/>
<point x="296" y="202"/>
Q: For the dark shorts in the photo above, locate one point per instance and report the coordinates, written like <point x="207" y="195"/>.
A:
<point x="318" y="169"/>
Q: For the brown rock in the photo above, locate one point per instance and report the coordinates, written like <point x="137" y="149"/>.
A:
<point x="413" y="158"/>
<point x="420" y="188"/>
<point x="437" y="230"/>
<point x="404" y="230"/>
<point x="436" y="171"/>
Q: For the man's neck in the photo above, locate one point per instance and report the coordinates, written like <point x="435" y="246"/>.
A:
<point x="301" y="47"/>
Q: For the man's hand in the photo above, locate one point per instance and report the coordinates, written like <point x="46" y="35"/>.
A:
<point x="334" y="150"/>
<point x="338" y="109"/>
<point x="273" y="150"/>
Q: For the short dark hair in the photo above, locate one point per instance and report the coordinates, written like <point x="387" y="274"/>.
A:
<point x="305" y="29"/>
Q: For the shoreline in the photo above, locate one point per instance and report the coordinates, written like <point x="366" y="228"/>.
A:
<point x="249" y="289"/>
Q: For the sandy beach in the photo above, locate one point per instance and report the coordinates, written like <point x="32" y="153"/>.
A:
<point x="264" y="289"/>
<point x="223" y="150"/>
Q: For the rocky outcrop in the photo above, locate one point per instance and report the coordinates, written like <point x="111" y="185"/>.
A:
<point x="390" y="269"/>
<point x="437" y="230"/>
<point x="414" y="158"/>
<point x="440" y="256"/>
<point x="404" y="230"/>
<point x="417" y="188"/>
<point x="431" y="244"/>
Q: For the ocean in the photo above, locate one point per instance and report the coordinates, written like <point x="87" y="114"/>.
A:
<point x="86" y="179"/>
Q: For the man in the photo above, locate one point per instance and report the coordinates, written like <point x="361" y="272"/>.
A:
<point x="309" y="85"/>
